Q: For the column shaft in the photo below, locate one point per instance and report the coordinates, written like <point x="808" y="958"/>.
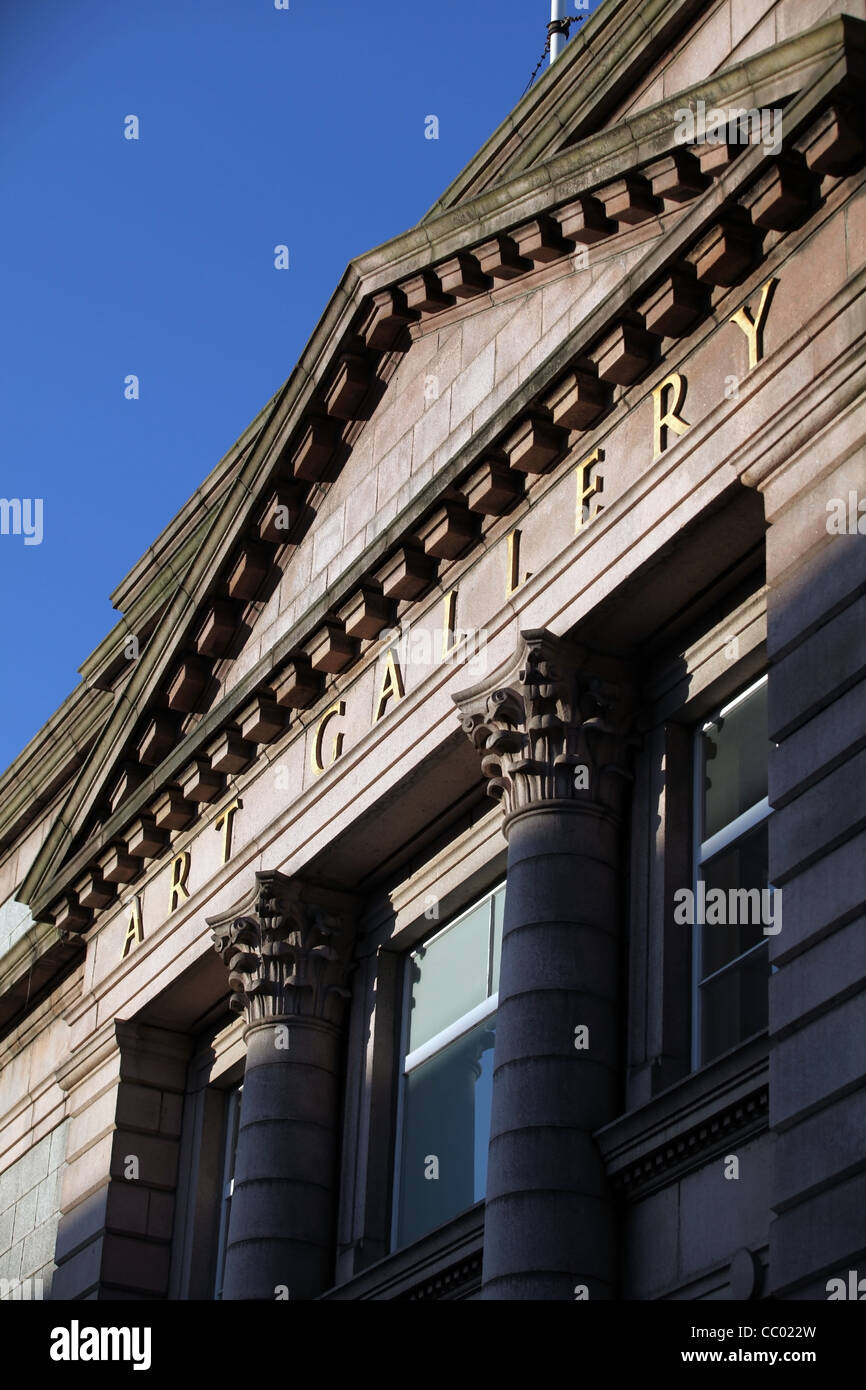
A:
<point x="281" y="1227"/>
<point x="549" y="1223"/>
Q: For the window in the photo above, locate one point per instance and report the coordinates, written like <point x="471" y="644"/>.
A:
<point x="733" y="906"/>
<point x="447" y="1082"/>
<point x="230" y="1144"/>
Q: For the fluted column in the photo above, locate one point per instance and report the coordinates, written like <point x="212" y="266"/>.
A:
<point x="288" y="961"/>
<point x="552" y="734"/>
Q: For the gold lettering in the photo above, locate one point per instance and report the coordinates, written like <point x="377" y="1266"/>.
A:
<point x="449" y="619"/>
<point x="134" y="928"/>
<point x="754" y="327"/>
<point x="512" y="579"/>
<point x="668" y="419"/>
<point x="179" y="872"/>
<point x="337" y="746"/>
<point x="587" y="488"/>
<point x="225" y="822"/>
<point x="392" y="684"/>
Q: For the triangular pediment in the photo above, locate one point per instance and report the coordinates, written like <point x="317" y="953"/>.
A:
<point x="451" y="368"/>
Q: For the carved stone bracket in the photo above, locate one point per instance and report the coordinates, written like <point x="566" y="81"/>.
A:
<point x="552" y="727"/>
<point x="288" y="953"/>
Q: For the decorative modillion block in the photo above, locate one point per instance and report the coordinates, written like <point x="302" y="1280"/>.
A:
<point x="70" y="918"/>
<point x="157" y="741"/>
<point x="585" y="221"/>
<point x="343" y="396"/>
<point x="187" y="685"/>
<point x="551" y="727"/>
<point x="625" y="354"/>
<point x="367" y="612"/>
<point x="408" y="574"/>
<point x="289" y="955"/>
<point x="117" y="866"/>
<point x="171" y="812"/>
<point x="262" y="720"/>
<point x="131" y="776"/>
<point x="282" y="510"/>
<point x="93" y="891"/>
<point x="297" y="685"/>
<point x="540" y="240"/>
<point x="677" y="178"/>
<point x="462" y="276"/>
<point x="500" y="258"/>
<point x="676" y="303"/>
<point x="330" y="648"/>
<point x="230" y="752"/>
<point x="725" y="253"/>
<point x="218" y="629"/>
<point x="491" y="489"/>
<point x="199" y="782"/>
<point x="316" y="445"/>
<point x="145" y="839"/>
<point x="250" y="571"/>
<point x="715" y="159"/>
<point x="834" y="144"/>
<point x="535" y="445"/>
<point x="629" y="200"/>
<point x="578" y="399"/>
<point x="385" y="320"/>
<point x="448" y="531"/>
<point x="424" y="293"/>
<point x="782" y="196"/>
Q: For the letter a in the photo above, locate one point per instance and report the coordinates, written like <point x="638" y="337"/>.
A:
<point x="684" y="907"/>
<point x="59" y="1344"/>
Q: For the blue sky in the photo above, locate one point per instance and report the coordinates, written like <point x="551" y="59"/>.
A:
<point x="155" y="256"/>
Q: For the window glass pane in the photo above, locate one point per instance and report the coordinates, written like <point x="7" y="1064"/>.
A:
<point x="449" y="977"/>
<point x="735" y="762"/>
<point x="741" y="920"/>
<point x="446" y="1118"/>
<point x="734" y="1006"/>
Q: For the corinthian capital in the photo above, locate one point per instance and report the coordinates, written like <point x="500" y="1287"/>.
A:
<point x="288" y="951"/>
<point x="551" y="726"/>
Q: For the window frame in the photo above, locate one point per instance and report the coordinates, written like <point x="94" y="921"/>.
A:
<point x="703" y="851"/>
<point x="231" y="1124"/>
<point x="410" y="1061"/>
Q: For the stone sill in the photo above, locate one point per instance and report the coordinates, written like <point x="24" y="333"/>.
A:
<point x="448" y="1256"/>
<point x="691" y="1122"/>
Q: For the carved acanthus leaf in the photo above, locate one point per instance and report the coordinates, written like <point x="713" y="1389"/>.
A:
<point x="556" y="731"/>
<point x="290" y="956"/>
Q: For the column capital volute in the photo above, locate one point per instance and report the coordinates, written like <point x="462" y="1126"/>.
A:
<point x="552" y="726"/>
<point x="288" y="949"/>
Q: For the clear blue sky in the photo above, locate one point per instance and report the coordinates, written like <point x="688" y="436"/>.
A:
<point x="155" y="257"/>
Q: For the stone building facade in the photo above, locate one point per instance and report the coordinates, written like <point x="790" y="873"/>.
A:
<point x="447" y="879"/>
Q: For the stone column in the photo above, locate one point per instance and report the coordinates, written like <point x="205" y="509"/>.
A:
<point x="551" y="733"/>
<point x="288" y="962"/>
